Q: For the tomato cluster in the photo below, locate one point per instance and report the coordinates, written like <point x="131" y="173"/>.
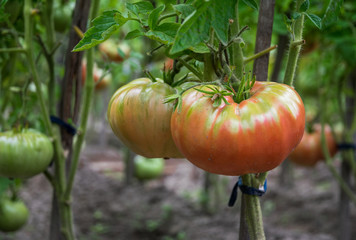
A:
<point x="252" y="136"/>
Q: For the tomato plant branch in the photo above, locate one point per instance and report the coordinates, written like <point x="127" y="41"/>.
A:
<point x="49" y="25"/>
<point x="237" y="59"/>
<point x="259" y="54"/>
<point x="28" y="46"/>
<point x="16" y="49"/>
<point x="191" y="68"/>
<point x="328" y="159"/>
<point x="294" y="49"/>
<point x="87" y="100"/>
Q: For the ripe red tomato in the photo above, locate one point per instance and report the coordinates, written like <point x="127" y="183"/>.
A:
<point x="113" y="51"/>
<point x="141" y="120"/>
<point x="13" y="215"/>
<point x="253" y="136"/>
<point x="309" y="151"/>
<point x="24" y="154"/>
<point x="97" y="74"/>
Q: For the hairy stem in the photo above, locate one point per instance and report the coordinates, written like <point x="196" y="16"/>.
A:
<point x="294" y="49"/>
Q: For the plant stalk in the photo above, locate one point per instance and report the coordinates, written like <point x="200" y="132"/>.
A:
<point x="251" y="213"/>
<point x="294" y="49"/>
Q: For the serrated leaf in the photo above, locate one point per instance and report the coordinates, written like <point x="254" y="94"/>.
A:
<point x="103" y="27"/>
<point x="332" y="12"/>
<point x="251" y="3"/>
<point x="134" y="34"/>
<point x="194" y="30"/>
<point x="137" y="8"/>
<point x="200" y="48"/>
<point x="315" y="19"/>
<point x="153" y="17"/>
<point x="220" y="13"/>
<point x="305" y="6"/>
<point x="164" y="33"/>
<point x="184" y="9"/>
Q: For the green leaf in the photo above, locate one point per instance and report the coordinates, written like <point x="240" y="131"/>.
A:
<point x="137" y="8"/>
<point x="184" y="9"/>
<point x="200" y="48"/>
<point x="251" y="3"/>
<point x="171" y="98"/>
<point x="194" y="30"/>
<point x="164" y="33"/>
<point x="153" y="17"/>
<point x="103" y="27"/>
<point x="295" y="15"/>
<point x="315" y="19"/>
<point x="217" y="102"/>
<point x="134" y="34"/>
<point x="305" y="6"/>
<point x="332" y="12"/>
<point x="220" y="13"/>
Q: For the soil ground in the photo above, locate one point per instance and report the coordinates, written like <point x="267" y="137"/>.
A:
<point x="169" y="208"/>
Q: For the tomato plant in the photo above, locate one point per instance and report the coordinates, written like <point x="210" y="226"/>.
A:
<point x="13" y="215"/>
<point x="101" y="79"/>
<point x="309" y="150"/>
<point x="141" y="120"/>
<point x="24" y="153"/>
<point x="148" y="168"/>
<point x="252" y="136"/>
<point x="115" y="52"/>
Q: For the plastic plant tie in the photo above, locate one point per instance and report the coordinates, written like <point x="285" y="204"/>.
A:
<point x="246" y="190"/>
<point x="69" y="128"/>
<point x="346" y="146"/>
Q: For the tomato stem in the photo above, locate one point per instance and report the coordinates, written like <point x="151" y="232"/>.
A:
<point x="251" y="214"/>
<point x="294" y="49"/>
<point x="259" y="54"/>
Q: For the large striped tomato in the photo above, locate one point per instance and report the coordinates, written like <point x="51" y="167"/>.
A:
<point x="309" y="151"/>
<point x="141" y="120"/>
<point x="253" y="136"/>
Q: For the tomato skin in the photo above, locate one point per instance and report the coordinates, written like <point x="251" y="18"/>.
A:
<point x="148" y="168"/>
<point x="309" y="151"/>
<point x="13" y="215"/>
<point x="111" y="50"/>
<point x="141" y="120"/>
<point x="254" y="136"/>
<point x="24" y="154"/>
<point x="97" y="73"/>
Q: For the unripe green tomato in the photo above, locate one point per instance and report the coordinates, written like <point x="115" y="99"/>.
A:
<point x="62" y="17"/>
<point x="148" y="168"/>
<point x="13" y="215"/>
<point x="24" y="154"/>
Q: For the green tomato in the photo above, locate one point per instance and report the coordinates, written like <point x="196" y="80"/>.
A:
<point x="62" y="17"/>
<point x="148" y="168"/>
<point x="24" y="154"/>
<point x="13" y="215"/>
